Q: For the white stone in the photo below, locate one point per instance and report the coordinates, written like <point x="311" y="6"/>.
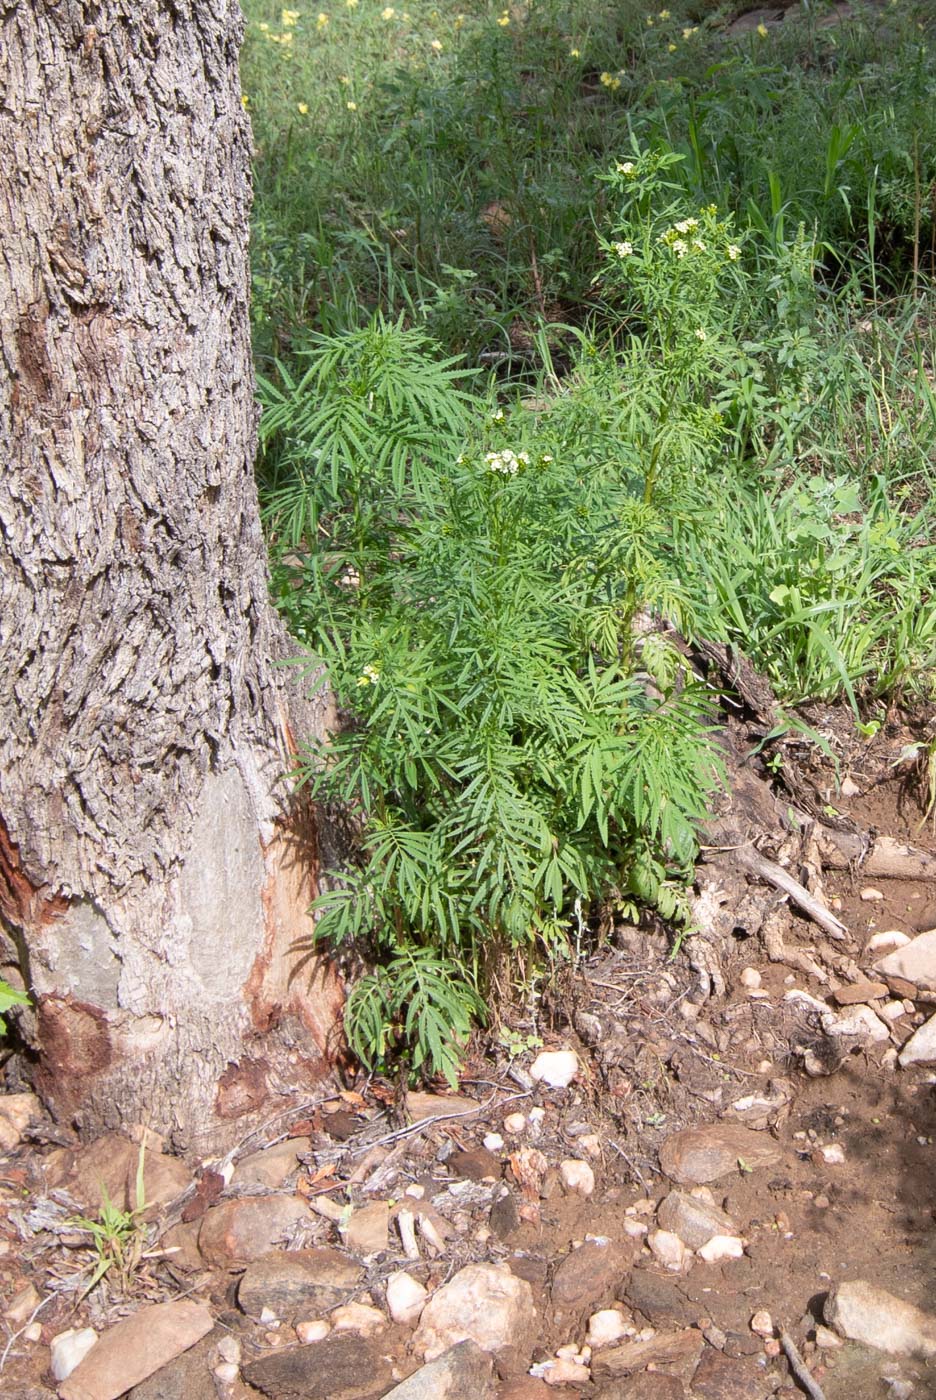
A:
<point x="568" y="1352"/>
<point x="826" y="1340"/>
<point x="636" y="1229"/>
<point x="557" y="1068"/>
<point x="606" y="1327"/>
<point x="849" y="787"/>
<point x="796" y="994"/>
<point x="493" y="1142"/>
<point x="483" y="1303"/>
<point x="577" y="1177"/>
<point x="669" y="1250"/>
<point x="892" y="1011"/>
<point x="762" y="1323"/>
<point x="920" y="1049"/>
<point x="358" y="1317"/>
<point x="865" y="1313"/>
<point x="886" y="942"/>
<point x="565" y="1371"/>
<point x="833" y="1154"/>
<point x="406" y="1298"/>
<point x="267" y="1315"/>
<point x="750" y="978"/>
<point x="695" y="1219"/>
<point x="515" y="1123"/>
<point x="722" y="1247"/>
<point x="70" y="1347"/>
<point x="915" y="962"/>
<point x="590" y="1143"/>
<point x="227" y="1372"/>
<point x="870" y="895"/>
<point x="858" y="1021"/>
<point x="315" y="1330"/>
<point x="537" y="1115"/>
<point x="229" y="1349"/>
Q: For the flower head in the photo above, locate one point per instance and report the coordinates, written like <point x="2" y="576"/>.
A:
<point x="679" y="247"/>
<point x="625" y="167"/>
<point x="388" y="13"/>
<point x="700" y="335"/>
<point x="302" y="108"/>
<point x="288" y="18"/>
<point x="351" y="106"/>
<point x="369" y="676"/>
<point x="762" y="30"/>
<point x="734" y="252"/>
<point x="624" y="249"/>
<point x="690" y="30"/>
<point x="437" y="45"/>
<point x="504" y="19"/>
<point x="574" y="53"/>
<point x="322" y="21"/>
<point x="664" y="14"/>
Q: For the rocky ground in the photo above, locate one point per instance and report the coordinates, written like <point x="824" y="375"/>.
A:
<point x="708" y="1177"/>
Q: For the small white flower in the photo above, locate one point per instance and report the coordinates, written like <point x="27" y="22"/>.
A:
<point x="547" y="457"/>
<point x="683" y="226"/>
<point x="624" y="167"/>
<point x="624" y="249"/>
<point x="369" y="676"/>
<point x="698" y="245"/>
<point x="680" y="247"/>
<point x="700" y="335"/>
<point x="734" y="252"/>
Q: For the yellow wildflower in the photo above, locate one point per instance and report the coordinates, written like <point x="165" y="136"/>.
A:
<point x="322" y="21"/>
<point x="351" y="4"/>
<point x="288" y="18"/>
<point x="344" y="80"/>
<point x="762" y="30"/>
<point x="574" y="53"/>
<point x="459" y="22"/>
<point x="245" y="100"/>
<point x="388" y="13"/>
<point x="302" y="108"/>
<point x="671" y="48"/>
<point x="688" y="33"/>
<point x="369" y="676"/>
<point x="504" y="19"/>
<point x="263" y="28"/>
<point x="351" y="106"/>
<point x="286" y="38"/>
<point x="437" y="45"/>
<point x="664" y="14"/>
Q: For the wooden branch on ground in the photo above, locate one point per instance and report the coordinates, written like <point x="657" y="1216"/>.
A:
<point x="751" y="861"/>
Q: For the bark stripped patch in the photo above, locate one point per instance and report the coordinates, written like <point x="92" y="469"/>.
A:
<point x="76" y="1047"/>
<point x="242" y="1088"/>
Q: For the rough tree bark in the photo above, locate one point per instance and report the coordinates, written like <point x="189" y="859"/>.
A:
<point x="152" y="880"/>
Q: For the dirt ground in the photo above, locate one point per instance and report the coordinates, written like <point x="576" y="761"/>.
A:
<point x="656" y="1055"/>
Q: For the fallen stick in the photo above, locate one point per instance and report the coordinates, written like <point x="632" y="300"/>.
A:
<point x="755" y="864"/>
<point x="799" y="1368"/>
<point x="886" y="858"/>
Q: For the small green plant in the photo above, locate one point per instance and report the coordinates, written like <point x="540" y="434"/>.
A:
<point x="118" y="1237"/>
<point x="9" y="997"/>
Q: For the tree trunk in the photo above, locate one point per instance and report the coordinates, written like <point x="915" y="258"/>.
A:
<point x="154" y="873"/>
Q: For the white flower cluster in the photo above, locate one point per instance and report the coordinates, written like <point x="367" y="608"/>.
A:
<point x="623" y="250"/>
<point x="507" y="463"/>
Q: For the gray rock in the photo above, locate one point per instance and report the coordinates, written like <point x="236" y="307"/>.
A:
<point x="589" y="1277"/>
<point x="720" y="1377"/>
<point x="915" y="962"/>
<point x="698" y="1155"/>
<point x="661" y="1300"/>
<point x="465" y="1370"/>
<point x="694" y="1221"/>
<point x="272" y="1166"/>
<point x="339" y="1368"/>
<point x="920" y="1049"/>
<point x="865" y="1313"/>
<point x="648" y="1385"/>
<point x="69" y="1348"/>
<point x="238" y="1232"/>
<point x="311" y="1281"/>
